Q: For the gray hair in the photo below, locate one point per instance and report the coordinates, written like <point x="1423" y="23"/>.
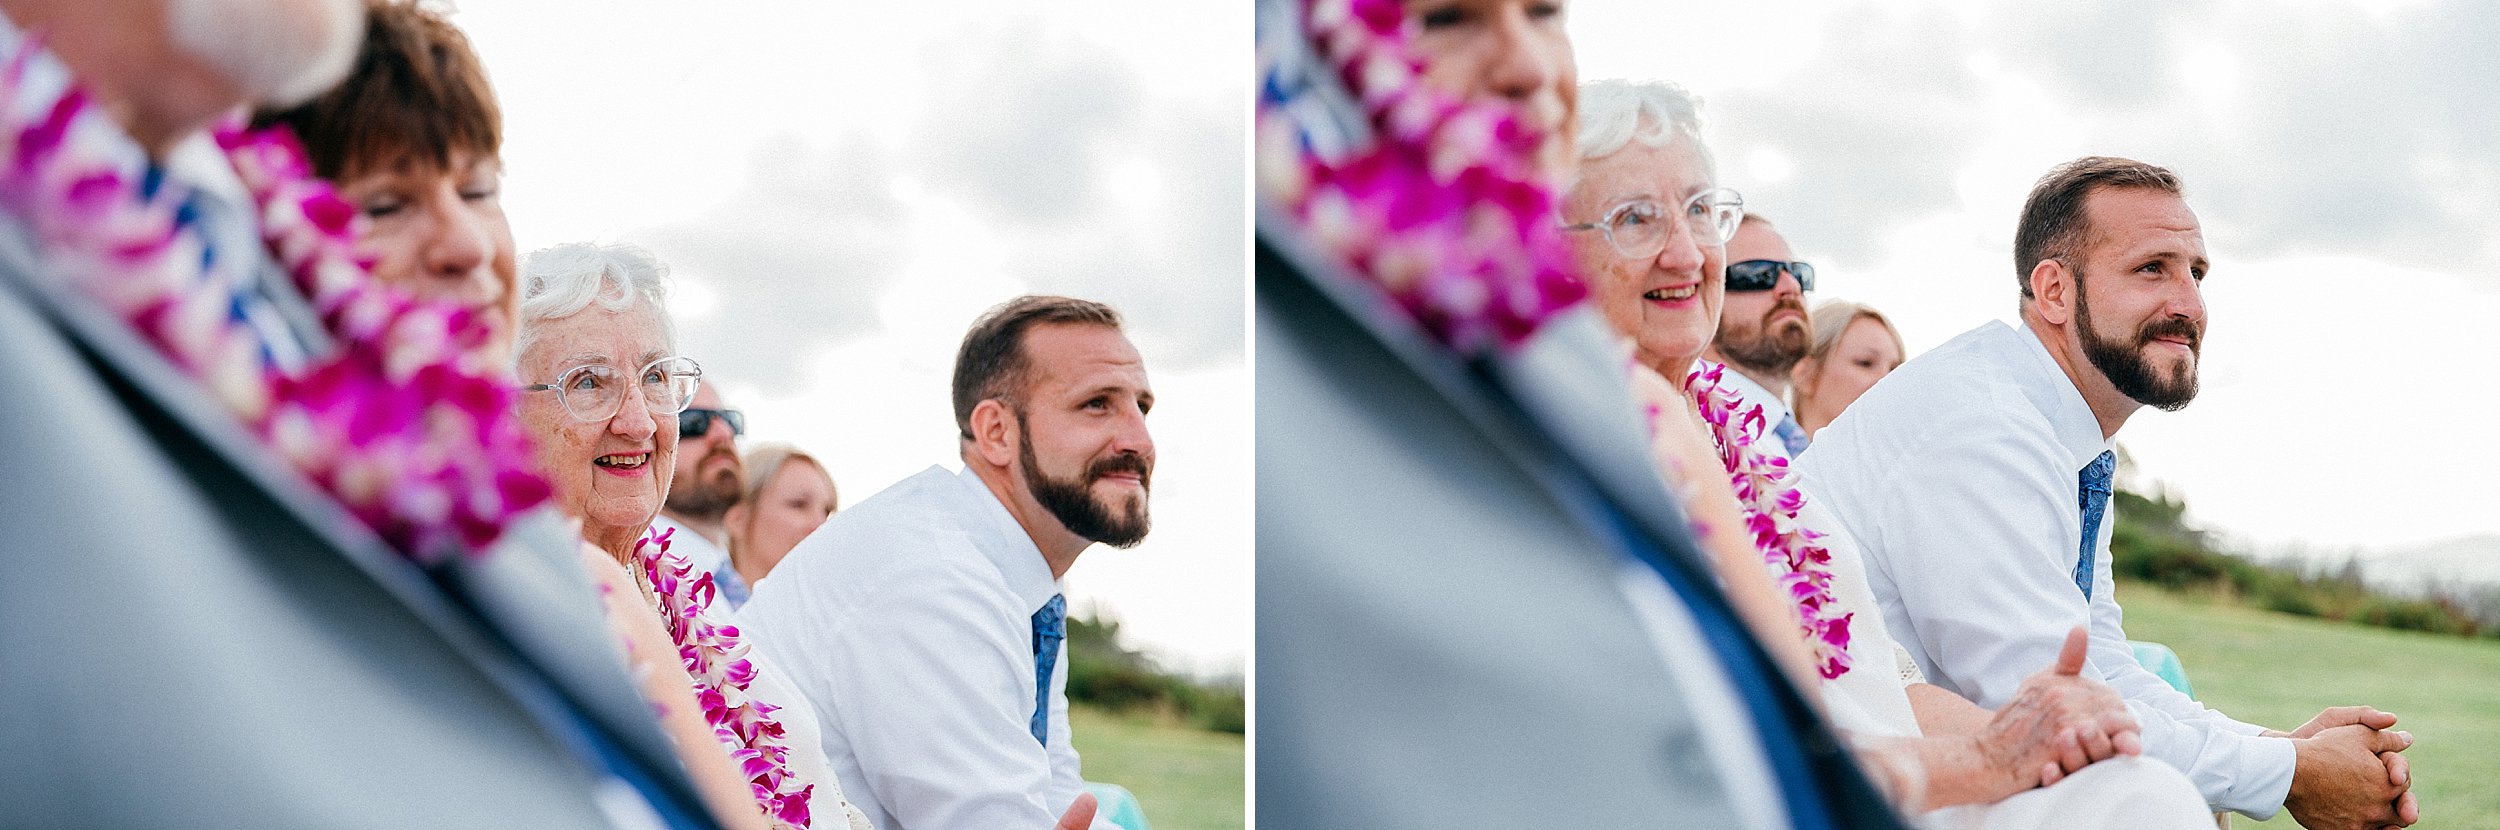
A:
<point x="1613" y="113"/>
<point x="560" y="282"/>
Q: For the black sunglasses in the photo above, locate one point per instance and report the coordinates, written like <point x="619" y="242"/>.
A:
<point x="1764" y="274"/>
<point x="695" y="422"/>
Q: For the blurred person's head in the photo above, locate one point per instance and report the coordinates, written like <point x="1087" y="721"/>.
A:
<point x="1854" y="346"/>
<point x="604" y="384"/>
<point x="710" y="477"/>
<point x="414" y="138"/>
<point x="1648" y="222"/>
<point x="2113" y="268"/>
<point x="1051" y="402"/>
<point x="165" y="69"/>
<point x="788" y="496"/>
<point x="1762" y="328"/>
<point x="1513" y="50"/>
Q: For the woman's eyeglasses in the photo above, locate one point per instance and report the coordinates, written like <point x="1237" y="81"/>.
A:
<point x="596" y="392"/>
<point x="1639" y="228"/>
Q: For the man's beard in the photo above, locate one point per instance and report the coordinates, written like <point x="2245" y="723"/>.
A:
<point x="1770" y="351"/>
<point x="708" y="498"/>
<point x="2123" y="361"/>
<point x="1073" y="504"/>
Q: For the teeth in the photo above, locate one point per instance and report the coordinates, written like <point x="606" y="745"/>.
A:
<point x="630" y="460"/>
<point x="1684" y="293"/>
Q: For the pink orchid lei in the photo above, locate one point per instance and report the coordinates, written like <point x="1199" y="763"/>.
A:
<point x="716" y="657"/>
<point x="1794" y="554"/>
<point x="1447" y="210"/>
<point x="403" y="421"/>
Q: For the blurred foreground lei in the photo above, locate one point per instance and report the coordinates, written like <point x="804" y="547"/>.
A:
<point x="1799" y="564"/>
<point x="1441" y="203"/>
<point x="716" y="657"/>
<point x="403" y="420"/>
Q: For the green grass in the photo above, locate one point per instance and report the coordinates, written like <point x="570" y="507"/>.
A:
<point x="1185" y="778"/>
<point x="2278" y="670"/>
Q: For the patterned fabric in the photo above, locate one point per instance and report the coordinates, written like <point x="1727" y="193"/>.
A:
<point x="1050" y="626"/>
<point x="1791" y="436"/>
<point x="2094" y="496"/>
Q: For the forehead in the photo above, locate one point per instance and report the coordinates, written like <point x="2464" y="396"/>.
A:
<point x="1064" y="356"/>
<point x="1669" y="173"/>
<point x="2126" y="220"/>
<point x="1756" y="240"/>
<point x="626" y="339"/>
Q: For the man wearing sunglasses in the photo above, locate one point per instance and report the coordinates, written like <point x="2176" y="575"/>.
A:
<point x="1763" y="329"/>
<point x="707" y="482"/>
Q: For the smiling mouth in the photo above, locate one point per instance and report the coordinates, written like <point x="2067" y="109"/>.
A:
<point x="1672" y="294"/>
<point x="623" y="461"/>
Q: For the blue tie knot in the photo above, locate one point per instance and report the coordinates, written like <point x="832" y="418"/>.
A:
<point x="2096" y="474"/>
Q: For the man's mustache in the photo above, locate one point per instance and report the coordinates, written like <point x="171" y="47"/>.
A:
<point x="1121" y="463"/>
<point x="2176" y="327"/>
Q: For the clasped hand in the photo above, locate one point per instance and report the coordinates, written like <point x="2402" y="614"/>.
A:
<point x="2348" y="772"/>
<point x="2059" y="722"/>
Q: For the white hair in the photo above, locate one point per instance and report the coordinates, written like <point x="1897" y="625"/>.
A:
<point x="279" y="54"/>
<point x="1613" y="113"/>
<point x="560" y="282"/>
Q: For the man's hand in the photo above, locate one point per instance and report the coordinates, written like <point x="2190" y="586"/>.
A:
<point x="1079" y="816"/>
<point x="2059" y="722"/>
<point x="2343" y="716"/>
<point x="2350" y="776"/>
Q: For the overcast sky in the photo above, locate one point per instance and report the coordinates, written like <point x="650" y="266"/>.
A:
<point x="2343" y="156"/>
<point x="841" y="187"/>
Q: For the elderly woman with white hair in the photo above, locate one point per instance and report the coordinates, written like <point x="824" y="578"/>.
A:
<point x="1648" y="223"/>
<point x="598" y="359"/>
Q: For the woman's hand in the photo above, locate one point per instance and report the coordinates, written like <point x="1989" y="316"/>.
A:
<point x="2058" y="722"/>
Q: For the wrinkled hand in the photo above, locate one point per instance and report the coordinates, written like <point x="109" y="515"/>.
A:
<point x="1080" y="815"/>
<point x="2350" y="776"/>
<point x="2059" y="722"/>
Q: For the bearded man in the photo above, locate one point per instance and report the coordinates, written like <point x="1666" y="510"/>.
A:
<point x="1976" y="479"/>
<point x="925" y="623"/>
<point x="1763" y="330"/>
<point x="707" y="481"/>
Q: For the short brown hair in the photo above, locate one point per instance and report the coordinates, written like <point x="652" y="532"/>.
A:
<point x="2053" y="225"/>
<point x="417" y="89"/>
<point x="991" y="363"/>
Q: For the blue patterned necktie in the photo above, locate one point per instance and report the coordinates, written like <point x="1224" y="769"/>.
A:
<point x="1050" y="625"/>
<point x="1791" y="436"/>
<point x="2094" y="496"/>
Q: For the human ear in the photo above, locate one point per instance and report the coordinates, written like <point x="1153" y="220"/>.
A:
<point x="994" y="436"/>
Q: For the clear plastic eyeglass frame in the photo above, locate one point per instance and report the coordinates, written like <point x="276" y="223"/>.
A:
<point x="596" y="392"/>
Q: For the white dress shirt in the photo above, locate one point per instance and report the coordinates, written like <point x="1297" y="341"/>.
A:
<point x="907" y="622"/>
<point x="1958" y="475"/>
<point x="691" y="546"/>
<point x="1748" y="393"/>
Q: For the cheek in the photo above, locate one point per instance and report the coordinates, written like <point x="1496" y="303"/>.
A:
<point x="391" y="245"/>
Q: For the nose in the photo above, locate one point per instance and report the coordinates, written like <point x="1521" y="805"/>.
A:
<point x="1132" y="436"/>
<point x="2188" y="301"/>
<point x="633" y="418"/>
<point x="1683" y="253"/>
<point x="459" y="249"/>
<point x="1788" y="285"/>
<point x="1520" y="66"/>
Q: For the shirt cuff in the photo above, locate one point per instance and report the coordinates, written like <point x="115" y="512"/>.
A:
<point x="2267" y="780"/>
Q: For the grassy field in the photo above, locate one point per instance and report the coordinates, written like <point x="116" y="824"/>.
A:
<point x="2279" y="670"/>
<point x="1185" y="778"/>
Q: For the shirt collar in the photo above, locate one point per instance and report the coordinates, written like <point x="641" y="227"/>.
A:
<point x="998" y="536"/>
<point x="2056" y="397"/>
<point x="1749" y="393"/>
